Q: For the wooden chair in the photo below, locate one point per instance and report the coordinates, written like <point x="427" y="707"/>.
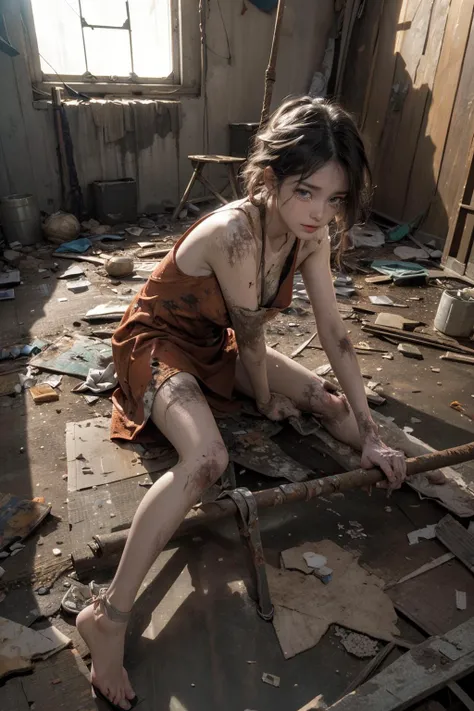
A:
<point x="199" y="162"/>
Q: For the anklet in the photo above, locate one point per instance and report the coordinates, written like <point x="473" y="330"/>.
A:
<point x="110" y="610"/>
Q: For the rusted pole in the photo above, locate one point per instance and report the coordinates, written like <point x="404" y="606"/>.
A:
<point x="270" y="73"/>
<point x="206" y="514"/>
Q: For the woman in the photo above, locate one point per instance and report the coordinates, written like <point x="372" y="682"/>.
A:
<point x="195" y="332"/>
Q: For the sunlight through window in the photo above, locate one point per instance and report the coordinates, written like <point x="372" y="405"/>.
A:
<point x="104" y="39"/>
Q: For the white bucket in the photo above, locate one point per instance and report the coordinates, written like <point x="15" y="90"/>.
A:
<point x="455" y="315"/>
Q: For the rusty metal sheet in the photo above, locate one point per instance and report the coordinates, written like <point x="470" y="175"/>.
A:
<point x="18" y="518"/>
<point x="74" y="355"/>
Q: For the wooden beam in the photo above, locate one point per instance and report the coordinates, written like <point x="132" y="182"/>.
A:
<point x="457" y="539"/>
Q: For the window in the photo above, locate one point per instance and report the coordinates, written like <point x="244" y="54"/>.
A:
<point x="113" y="46"/>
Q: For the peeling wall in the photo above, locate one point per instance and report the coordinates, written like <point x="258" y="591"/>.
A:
<point x="106" y="147"/>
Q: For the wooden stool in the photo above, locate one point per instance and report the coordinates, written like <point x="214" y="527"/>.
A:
<point x="198" y="163"/>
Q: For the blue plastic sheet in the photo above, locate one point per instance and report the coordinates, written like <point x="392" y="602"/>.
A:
<point x="265" y="5"/>
<point x="77" y="245"/>
<point x="398" y="270"/>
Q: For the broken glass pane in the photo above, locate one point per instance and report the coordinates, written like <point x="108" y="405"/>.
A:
<point x="59" y="36"/>
<point x="108" y="52"/>
<point x="104" y="12"/>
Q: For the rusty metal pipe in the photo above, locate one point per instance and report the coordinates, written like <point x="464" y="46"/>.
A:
<point x="112" y="544"/>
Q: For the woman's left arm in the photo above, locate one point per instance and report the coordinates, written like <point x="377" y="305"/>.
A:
<point x="335" y="340"/>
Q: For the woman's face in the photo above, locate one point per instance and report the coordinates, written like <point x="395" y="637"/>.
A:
<point x="307" y="205"/>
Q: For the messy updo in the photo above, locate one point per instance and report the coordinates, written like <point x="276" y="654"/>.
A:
<point x="300" y="137"/>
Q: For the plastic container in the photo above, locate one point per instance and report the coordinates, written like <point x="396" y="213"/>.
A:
<point x="241" y="135"/>
<point x="115" y="200"/>
<point x="21" y="220"/>
<point x="455" y="315"/>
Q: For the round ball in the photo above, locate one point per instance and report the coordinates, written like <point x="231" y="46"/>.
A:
<point x="61" y="227"/>
<point x="119" y="266"/>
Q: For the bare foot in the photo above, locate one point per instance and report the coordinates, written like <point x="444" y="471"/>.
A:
<point x="105" y="640"/>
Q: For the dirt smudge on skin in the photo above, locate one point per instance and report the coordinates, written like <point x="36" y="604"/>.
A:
<point x="248" y="325"/>
<point x="346" y="347"/>
<point x="210" y="469"/>
<point x="239" y="241"/>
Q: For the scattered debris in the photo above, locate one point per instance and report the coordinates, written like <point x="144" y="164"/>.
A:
<point x="461" y="600"/>
<point x="403" y="252"/>
<point x="396" y="321"/>
<point x="410" y="351"/>
<point x="11" y="278"/>
<point x="28" y="644"/>
<point x="378" y="279"/>
<point x="323" y="369"/>
<point x="368" y="235"/>
<point x="423" y="569"/>
<point x="7" y="294"/>
<point x="422" y="339"/>
<point x="357" y="644"/>
<point x="344" y="291"/>
<point x="99" y="381"/>
<point x="57" y="551"/>
<point x="304" y="345"/>
<point x="43" y="393"/>
<point x="271" y="679"/>
<point x="381" y="300"/>
<point x="455" y="405"/>
<point x="119" y="266"/>
<point x="72" y="272"/>
<point x="425" y="533"/>
<point x="78" y="246"/>
<point x="78" y="285"/>
<point x="74" y="355"/>
<point x="107" y="312"/>
<point x="456" y="358"/>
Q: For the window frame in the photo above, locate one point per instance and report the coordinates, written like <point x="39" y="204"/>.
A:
<point x="185" y="77"/>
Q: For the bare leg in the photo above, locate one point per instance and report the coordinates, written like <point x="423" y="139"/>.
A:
<point x="307" y="391"/>
<point x="181" y="412"/>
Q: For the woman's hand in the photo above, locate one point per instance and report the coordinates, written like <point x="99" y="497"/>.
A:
<point x="279" y="407"/>
<point x="392" y="462"/>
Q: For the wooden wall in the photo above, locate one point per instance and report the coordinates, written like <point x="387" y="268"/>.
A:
<point x="409" y="80"/>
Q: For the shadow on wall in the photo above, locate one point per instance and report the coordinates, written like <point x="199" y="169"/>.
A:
<point x="403" y="158"/>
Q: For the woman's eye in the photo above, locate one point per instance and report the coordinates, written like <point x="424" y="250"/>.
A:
<point x="303" y="194"/>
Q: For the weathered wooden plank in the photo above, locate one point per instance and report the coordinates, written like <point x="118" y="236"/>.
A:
<point x="457" y="539"/>
<point x="461" y="132"/>
<point x="430" y="149"/>
<point x="417" y="674"/>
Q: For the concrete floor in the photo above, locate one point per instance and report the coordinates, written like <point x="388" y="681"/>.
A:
<point x="195" y="641"/>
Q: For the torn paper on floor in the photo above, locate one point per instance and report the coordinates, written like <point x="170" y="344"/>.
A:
<point x="305" y="607"/>
<point x="99" y="381"/>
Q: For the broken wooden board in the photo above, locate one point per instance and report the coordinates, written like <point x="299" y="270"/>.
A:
<point x="255" y="451"/>
<point x="18" y="518"/>
<point x="107" y="312"/>
<point x="59" y="683"/>
<point x="455" y="494"/>
<point x="429" y="600"/>
<point x="417" y="674"/>
<point x="19" y="641"/>
<point x="74" y="355"/>
<point x="457" y="539"/>
<point x="94" y="459"/>
<point x="305" y="607"/>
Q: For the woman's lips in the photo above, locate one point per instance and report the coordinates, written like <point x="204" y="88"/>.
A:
<point x="309" y="228"/>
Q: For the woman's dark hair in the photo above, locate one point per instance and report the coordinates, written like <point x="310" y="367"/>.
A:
<point x="300" y="137"/>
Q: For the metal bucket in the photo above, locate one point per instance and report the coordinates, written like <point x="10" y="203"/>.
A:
<point x="455" y="315"/>
<point x="20" y="218"/>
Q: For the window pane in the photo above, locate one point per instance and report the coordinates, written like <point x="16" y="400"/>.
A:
<point x="104" y="12"/>
<point x="59" y="36"/>
<point x="108" y="52"/>
<point x="151" y="37"/>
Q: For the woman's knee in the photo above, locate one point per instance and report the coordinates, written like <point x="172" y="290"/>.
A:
<point x="207" y="466"/>
<point x="324" y="401"/>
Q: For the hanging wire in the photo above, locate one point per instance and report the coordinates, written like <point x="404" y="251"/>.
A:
<point x="229" y="53"/>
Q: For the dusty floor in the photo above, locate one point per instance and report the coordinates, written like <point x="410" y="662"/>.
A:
<point x="195" y="642"/>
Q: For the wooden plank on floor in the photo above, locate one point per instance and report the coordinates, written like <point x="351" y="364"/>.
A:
<point x="457" y="539"/>
<point x="417" y="674"/>
<point x="12" y="696"/>
<point x="429" y="600"/>
<point x="58" y="683"/>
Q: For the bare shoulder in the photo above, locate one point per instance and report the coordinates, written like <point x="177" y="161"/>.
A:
<point x="234" y="235"/>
